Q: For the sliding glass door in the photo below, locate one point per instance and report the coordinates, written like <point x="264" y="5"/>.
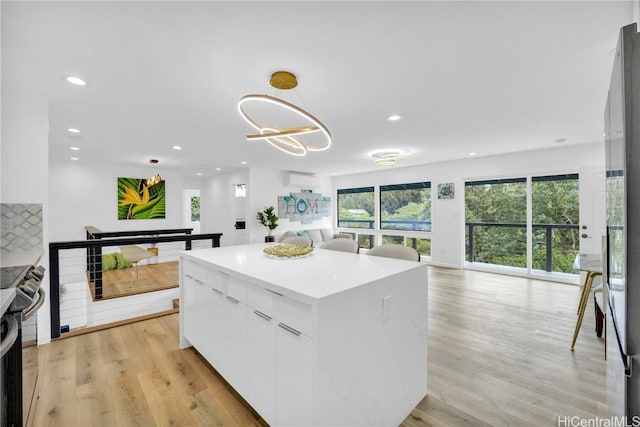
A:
<point x="527" y="224"/>
<point x="555" y="220"/>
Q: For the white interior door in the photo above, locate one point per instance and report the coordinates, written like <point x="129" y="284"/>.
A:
<point x="592" y="209"/>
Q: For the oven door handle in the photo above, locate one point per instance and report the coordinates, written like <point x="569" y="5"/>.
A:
<point x="35" y="307"/>
<point x="11" y="337"/>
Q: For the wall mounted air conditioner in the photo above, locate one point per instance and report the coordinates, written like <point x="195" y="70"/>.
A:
<point x="301" y="181"/>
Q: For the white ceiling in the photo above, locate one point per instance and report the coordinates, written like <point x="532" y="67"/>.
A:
<point x="484" y="77"/>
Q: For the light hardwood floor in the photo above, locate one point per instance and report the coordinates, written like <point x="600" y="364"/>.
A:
<point x="138" y="280"/>
<point x="498" y="355"/>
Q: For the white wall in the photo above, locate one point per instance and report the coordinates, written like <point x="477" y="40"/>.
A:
<point x="87" y="194"/>
<point x="24" y="174"/>
<point x="219" y="206"/>
<point x="447" y="236"/>
<point x="263" y="190"/>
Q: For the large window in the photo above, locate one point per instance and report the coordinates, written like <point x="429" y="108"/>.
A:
<point x="356" y="208"/>
<point x="496" y="215"/>
<point x="555" y="218"/>
<point x="406" y="207"/>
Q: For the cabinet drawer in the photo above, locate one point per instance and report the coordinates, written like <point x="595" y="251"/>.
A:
<point x="293" y="313"/>
<point x="237" y="289"/>
<point x="218" y="280"/>
<point x="194" y="270"/>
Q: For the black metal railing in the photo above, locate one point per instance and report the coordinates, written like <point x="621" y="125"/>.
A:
<point x="548" y="228"/>
<point x="95" y="245"/>
<point x="94" y="253"/>
<point x="413" y="224"/>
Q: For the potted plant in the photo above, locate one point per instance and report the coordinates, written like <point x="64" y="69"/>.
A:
<point x="269" y="220"/>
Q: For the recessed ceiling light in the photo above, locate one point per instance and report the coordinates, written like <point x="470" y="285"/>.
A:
<point x="199" y="173"/>
<point x="176" y="147"/>
<point x="472" y="154"/>
<point x="244" y="163"/>
<point x="218" y="169"/>
<point x="73" y="130"/>
<point x="76" y="81"/>
<point x="394" y="118"/>
<point x="73" y="158"/>
<point x="74" y="148"/>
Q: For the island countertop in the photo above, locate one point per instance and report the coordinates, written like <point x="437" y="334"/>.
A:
<point x="330" y="339"/>
<point x="320" y="274"/>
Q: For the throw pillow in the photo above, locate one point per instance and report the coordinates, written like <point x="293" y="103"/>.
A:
<point x="286" y="234"/>
<point x="109" y="262"/>
<point x="315" y="236"/>
<point x="327" y="234"/>
<point x="122" y="261"/>
<point x="304" y="234"/>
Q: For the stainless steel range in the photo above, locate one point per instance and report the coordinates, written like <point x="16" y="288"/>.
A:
<point x="21" y="296"/>
<point x="21" y="285"/>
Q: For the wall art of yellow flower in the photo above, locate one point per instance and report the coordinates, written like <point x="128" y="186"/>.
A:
<point x="137" y="200"/>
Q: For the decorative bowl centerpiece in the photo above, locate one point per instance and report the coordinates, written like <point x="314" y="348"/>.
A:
<point x="285" y="250"/>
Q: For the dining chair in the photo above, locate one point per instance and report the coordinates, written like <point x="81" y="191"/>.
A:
<point x="395" y="251"/>
<point x="298" y="240"/>
<point x="134" y="254"/>
<point x="342" y="245"/>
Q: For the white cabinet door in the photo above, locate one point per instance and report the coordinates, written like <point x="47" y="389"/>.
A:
<point x="231" y="345"/>
<point x="196" y="306"/>
<point x="261" y="356"/>
<point x="211" y="326"/>
<point x="294" y="385"/>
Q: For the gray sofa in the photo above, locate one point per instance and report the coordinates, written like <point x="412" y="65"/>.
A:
<point x="317" y="235"/>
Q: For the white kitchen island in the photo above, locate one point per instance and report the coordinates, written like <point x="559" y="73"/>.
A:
<point x="331" y="339"/>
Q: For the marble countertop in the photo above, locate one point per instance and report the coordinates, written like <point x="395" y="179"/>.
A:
<point x="319" y="275"/>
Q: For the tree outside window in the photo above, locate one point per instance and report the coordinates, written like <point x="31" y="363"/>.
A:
<point x="356" y="208"/>
<point x="195" y="208"/>
<point x="556" y="216"/>
<point x="406" y="206"/>
<point x="496" y="215"/>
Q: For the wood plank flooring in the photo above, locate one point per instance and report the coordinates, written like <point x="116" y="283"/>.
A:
<point x="499" y="355"/>
<point x="147" y="278"/>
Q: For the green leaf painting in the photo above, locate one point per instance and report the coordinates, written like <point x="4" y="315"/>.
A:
<point x="137" y="200"/>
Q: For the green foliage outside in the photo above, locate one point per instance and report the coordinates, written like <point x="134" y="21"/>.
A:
<point x="422" y="245"/>
<point x="195" y="208"/>
<point x="357" y="207"/>
<point x="553" y="202"/>
<point x="412" y="205"/>
<point x="356" y="210"/>
<point x="392" y="240"/>
<point x="365" y="241"/>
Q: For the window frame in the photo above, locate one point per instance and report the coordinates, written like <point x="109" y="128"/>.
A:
<point x="356" y="190"/>
<point x="406" y="186"/>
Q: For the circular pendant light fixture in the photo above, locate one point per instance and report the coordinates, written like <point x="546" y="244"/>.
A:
<point x="389" y="157"/>
<point x="290" y="138"/>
